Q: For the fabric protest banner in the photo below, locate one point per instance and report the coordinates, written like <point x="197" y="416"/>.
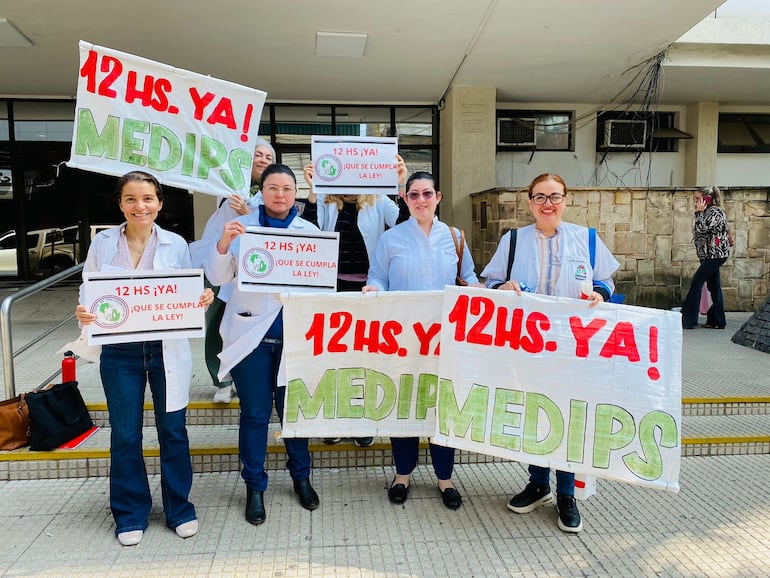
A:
<point x="361" y="365"/>
<point x="354" y="165"/>
<point x="189" y="130"/>
<point x="549" y="381"/>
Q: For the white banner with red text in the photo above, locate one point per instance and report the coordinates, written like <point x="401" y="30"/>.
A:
<point x="551" y="382"/>
<point x="361" y="365"/>
<point x="532" y="378"/>
<point x="189" y="130"/>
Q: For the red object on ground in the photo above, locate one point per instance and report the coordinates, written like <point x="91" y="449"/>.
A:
<point x="68" y="367"/>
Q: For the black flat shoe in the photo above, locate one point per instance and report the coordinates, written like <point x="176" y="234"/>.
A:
<point x="255" y="507"/>
<point x="451" y="498"/>
<point x="398" y="493"/>
<point x="710" y="326"/>
<point x="307" y="495"/>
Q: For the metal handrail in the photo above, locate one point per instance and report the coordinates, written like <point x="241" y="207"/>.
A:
<point x="6" y="340"/>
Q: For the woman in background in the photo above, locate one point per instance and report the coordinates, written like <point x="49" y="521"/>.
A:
<point x="229" y="208"/>
<point x="712" y="244"/>
<point x="360" y="220"/>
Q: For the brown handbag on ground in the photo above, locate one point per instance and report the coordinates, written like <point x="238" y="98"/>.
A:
<point x="460" y="249"/>
<point x="14" y="423"/>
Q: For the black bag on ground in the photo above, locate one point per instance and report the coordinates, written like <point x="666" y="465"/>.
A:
<point x="56" y="415"/>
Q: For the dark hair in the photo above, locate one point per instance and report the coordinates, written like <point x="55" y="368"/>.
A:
<point x="278" y="169"/>
<point x="138" y="177"/>
<point x="546" y="177"/>
<point x="420" y="176"/>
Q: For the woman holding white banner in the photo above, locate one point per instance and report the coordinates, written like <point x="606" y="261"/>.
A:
<point x="360" y="220"/>
<point x="229" y="208"/>
<point x="252" y="335"/>
<point x="419" y="255"/>
<point x="139" y="244"/>
<point x="551" y="257"/>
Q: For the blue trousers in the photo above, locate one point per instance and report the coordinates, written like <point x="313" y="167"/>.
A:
<point x="125" y="370"/>
<point x="565" y="481"/>
<point x="707" y="273"/>
<point x="405" y="451"/>
<point x="255" y="378"/>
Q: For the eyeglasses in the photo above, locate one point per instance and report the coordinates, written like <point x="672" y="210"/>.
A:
<point x="414" y="195"/>
<point x="555" y="198"/>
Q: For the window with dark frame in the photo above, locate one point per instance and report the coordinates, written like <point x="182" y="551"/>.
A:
<point x="743" y="133"/>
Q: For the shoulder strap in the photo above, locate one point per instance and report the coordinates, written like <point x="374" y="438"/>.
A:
<point x="459" y="247"/>
<point x="592" y="246"/>
<point x="511" y="254"/>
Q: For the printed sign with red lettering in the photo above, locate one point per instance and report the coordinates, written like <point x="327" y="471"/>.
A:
<point x="276" y="260"/>
<point x="354" y="165"/>
<point x="189" y="130"/>
<point x="133" y="306"/>
<point x="551" y="382"/>
<point x="361" y="365"/>
<point x="532" y="378"/>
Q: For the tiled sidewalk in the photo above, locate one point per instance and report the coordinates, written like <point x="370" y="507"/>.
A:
<point x="716" y="526"/>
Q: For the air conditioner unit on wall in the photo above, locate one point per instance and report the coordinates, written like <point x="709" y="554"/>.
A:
<point x="516" y="132"/>
<point x="625" y="134"/>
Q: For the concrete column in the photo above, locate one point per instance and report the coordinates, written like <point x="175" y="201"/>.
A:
<point x="467" y="131"/>
<point x="700" y="168"/>
<point x="203" y="207"/>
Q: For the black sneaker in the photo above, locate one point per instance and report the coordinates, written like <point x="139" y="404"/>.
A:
<point x="532" y="497"/>
<point x="363" y="442"/>
<point x="331" y="441"/>
<point x="569" y="517"/>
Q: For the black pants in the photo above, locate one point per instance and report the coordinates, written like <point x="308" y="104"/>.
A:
<point x="707" y="273"/>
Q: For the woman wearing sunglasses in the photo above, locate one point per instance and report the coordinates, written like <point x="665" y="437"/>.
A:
<point x="551" y="258"/>
<point x="419" y="255"/>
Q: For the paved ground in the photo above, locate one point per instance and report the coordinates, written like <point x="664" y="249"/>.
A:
<point x="716" y="525"/>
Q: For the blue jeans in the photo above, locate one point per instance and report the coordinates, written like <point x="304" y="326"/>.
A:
<point x="255" y="378"/>
<point x="707" y="273"/>
<point x="565" y="481"/>
<point x="405" y="452"/>
<point x="125" y="369"/>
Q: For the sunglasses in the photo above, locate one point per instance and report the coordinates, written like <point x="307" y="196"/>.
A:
<point x="415" y="195"/>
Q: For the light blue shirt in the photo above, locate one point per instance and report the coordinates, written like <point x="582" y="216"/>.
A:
<point x="408" y="260"/>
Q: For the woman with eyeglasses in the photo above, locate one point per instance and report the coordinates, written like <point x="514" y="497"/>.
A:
<point x="252" y="336"/>
<point x="552" y="258"/>
<point x="419" y="255"/>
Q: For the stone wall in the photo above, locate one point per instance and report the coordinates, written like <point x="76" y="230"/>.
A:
<point x="650" y="233"/>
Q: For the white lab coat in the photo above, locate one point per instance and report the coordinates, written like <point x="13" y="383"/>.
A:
<point x="574" y="258"/>
<point x="171" y="253"/>
<point x="242" y="334"/>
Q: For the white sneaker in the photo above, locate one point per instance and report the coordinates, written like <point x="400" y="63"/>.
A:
<point x="131" y="538"/>
<point x="224" y="394"/>
<point x="188" y="529"/>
